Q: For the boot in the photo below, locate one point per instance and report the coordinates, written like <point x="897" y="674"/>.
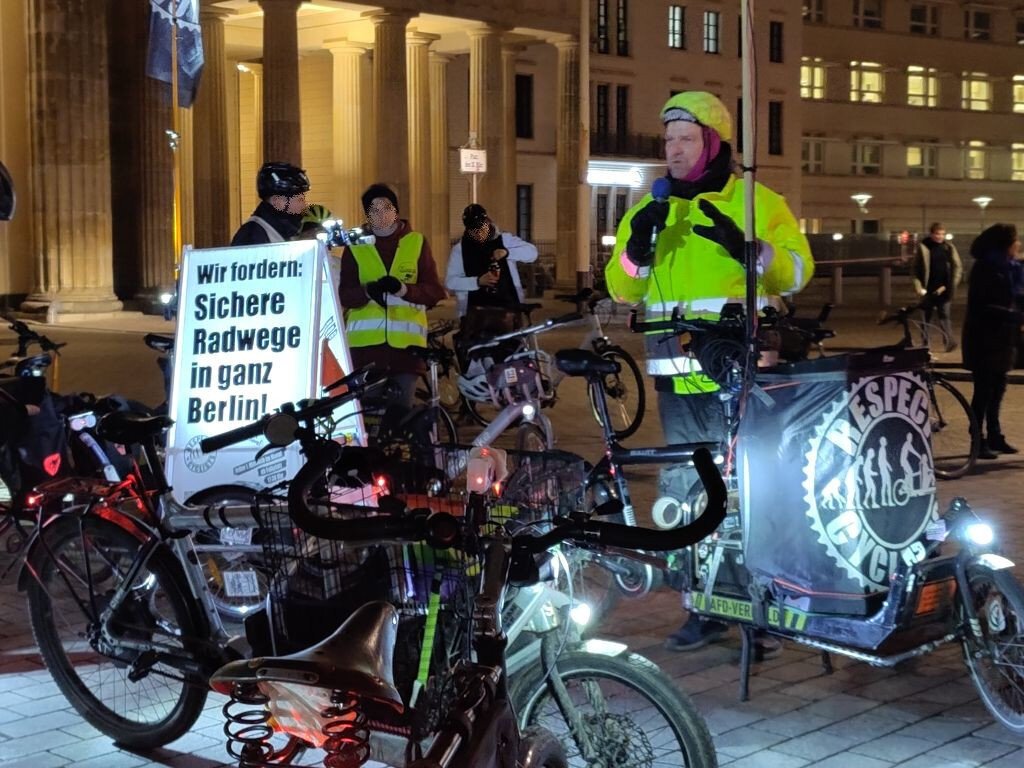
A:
<point x="985" y="452"/>
<point x="998" y="444"/>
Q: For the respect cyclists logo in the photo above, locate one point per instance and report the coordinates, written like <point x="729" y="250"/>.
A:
<point x="194" y="458"/>
<point x="869" y="478"/>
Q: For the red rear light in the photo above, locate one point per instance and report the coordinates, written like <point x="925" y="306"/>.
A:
<point x="34" y="500"/>
<point x="51" y="464"/>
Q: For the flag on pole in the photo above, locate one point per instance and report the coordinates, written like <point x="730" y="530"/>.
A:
<point x="164" y="15"/>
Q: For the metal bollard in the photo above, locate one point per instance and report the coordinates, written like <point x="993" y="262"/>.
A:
<point x="885" y="285"/>
<point x="837" y="284"/>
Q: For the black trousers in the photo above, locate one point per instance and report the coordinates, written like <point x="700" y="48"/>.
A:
<point x="989" y="388"/>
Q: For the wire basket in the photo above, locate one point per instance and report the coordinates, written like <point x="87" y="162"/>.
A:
<point x="316" y="584"/>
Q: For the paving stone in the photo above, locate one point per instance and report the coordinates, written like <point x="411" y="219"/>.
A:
<point x="770" y="759"/>
<point x="794" y="723"/>
<point x="848" y="760"/>
<point x="723" y="720"/>
<point x="996" y="732"/>
<point x="30" y="745"/>
<point x="864" y="726"/>
<point x="893" y="747"/>
<point x="815" y="746"/>
<point x="841" y="706"/>
<point x="741" y="742"/>
<point x="972" y="750"/>
<point x="1010" y="760"/>
<point x="39" y="760"/>
<point x="939" y="729"/>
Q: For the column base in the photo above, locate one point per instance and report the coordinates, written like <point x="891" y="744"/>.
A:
<point x="78" y="303"/>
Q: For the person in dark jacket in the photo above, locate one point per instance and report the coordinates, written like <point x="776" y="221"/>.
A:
<point x="992" y="329"/>
<point x="936" y="271"/>
<point x="282" y="188"/>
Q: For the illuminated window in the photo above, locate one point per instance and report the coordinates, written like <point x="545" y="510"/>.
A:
<point x="677" y="26"/>
<point x="711" y="19"/>
<point x="1017" y="162"/>
<point x="1018" y="93"/>
<point x="977" y="24"/>
<point x="812" y="155"/>
<point x="814" y="11"/>
<point x="922" y="86"/>
<point x="924" y="19"/>
<point x="976" y="161"/>
<point x="922" y="160"/>
<point x="867" y="157"/>
<point x="976" y="92"/>
<point x="866" y="82"/>
<point x="812" y="78"/>
<point x="867" y="14"/>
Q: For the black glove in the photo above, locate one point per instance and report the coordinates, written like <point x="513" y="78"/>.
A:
<point x="375" y="291"/>
<point x="390" y="284"/>
<point x="643" y="224"/>
<point x="724" y="231"/>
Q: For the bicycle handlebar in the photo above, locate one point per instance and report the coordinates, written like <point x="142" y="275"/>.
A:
<point x="27" y="336"/>
<point x="442" y="529"/>
<point x="357" y="384"/>
<point x="547" y="325"/>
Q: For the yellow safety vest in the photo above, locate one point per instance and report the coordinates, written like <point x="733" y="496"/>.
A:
<point x="402" y="324"/>
<point x="697" y="277"/>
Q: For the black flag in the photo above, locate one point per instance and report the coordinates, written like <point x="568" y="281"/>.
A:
<point x="190" y="45"/>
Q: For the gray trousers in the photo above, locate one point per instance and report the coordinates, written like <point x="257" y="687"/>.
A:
<point x="688" y="419"/>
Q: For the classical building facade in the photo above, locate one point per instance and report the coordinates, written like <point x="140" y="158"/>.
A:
<point x="918" y="105"/>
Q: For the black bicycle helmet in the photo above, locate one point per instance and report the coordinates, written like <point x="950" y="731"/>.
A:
<point x="6" y="194"/>
<point x="281" y="179"/>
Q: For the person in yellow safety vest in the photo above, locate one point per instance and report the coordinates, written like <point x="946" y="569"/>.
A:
<point x="385" y="291"/>
<point x="686" y="252"/>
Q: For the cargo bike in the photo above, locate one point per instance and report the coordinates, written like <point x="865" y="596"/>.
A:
<point x="834" y="537"/>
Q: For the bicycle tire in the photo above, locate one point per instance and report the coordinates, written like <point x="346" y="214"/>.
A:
<point x="997" y="663"/>
<point x="95" y="689"/>
<point x="213" y="563"/>
<point x="533" y="703"/>
<point x="955" y="434"/>
<point x="617" y="388"/>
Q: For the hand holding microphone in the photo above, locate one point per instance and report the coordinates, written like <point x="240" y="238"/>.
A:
<point x="647" y="224"/>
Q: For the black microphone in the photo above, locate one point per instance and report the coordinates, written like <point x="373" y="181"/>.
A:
<point x="660" y="190"/>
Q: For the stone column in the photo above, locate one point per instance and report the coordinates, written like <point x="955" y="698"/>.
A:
<point x="391" y="102"/>
<point x="71" y="208"/>
<point x="210" y="120"/>
<point x="567" y="155"/>
<point x="282" y="135"/>
<point x="509" y="53"/>
<point x="155" y="168"/>
<point x="418" y="78"/>
<point x="485" y="117"/>
<point x="440" y="193"/>
<point x="349" y="129"/>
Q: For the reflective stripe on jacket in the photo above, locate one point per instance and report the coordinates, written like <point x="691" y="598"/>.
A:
<point x="699" y="277"/>
<point x="401" y="324"/>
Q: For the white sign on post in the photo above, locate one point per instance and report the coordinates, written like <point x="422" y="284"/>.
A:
<point x="473" y="160"/>
<point x="258" y="326"/>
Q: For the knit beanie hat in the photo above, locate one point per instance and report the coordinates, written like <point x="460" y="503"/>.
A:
<point x="474" y="216"/>
<point x="378" y="190"/>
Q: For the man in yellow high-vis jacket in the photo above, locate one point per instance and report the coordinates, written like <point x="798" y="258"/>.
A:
<point x="385" y="291"/>
<point x="685" y="252"/>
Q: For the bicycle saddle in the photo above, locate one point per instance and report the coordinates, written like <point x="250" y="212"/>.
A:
<point x="127" y="428"/>
<point x="159" y="342"/>
<point x="357" y="659"/>
<point x="583" y="362"/>
<point x="431" y="353"/>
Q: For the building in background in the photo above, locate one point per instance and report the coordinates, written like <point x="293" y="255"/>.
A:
<point x="919" y="106"/>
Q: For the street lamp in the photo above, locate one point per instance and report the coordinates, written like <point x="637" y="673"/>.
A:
<point x="861" y="199"/>
<point x="982" y="202"/>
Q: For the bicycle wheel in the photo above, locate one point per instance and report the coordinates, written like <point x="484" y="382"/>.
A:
<point x="246" y="568"/>
<point x="997" y="660"/>
<point x="128" y="694"/>
<point x="630" y="713"/>
<point x="624" y="394"/>
<point x="956" y="438"/>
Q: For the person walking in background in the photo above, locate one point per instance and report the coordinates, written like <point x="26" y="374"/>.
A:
<point x="385" y="291"/>
<point x="992" y="329"/>
<point x="937" y="270"/>
<point x="484" y="276"/>
<point x="685" y="254"/>
<point x="282" y="188"/>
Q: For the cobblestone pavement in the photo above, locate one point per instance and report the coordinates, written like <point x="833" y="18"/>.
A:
<point x="924" y="714"/>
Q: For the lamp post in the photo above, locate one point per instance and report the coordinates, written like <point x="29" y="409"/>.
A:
<point x="861" y="199"/>
<point x="982" y="202"/>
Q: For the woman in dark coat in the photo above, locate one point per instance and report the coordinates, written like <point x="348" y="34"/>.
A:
<point x="992" y="329"/>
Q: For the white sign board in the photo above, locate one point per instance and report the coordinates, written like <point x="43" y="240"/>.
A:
<point x="258" y="326"/>
<point x="473" y="160"/>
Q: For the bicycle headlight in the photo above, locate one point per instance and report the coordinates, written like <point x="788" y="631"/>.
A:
<point x="980" y="534"/>
<point x="581" y="614"/>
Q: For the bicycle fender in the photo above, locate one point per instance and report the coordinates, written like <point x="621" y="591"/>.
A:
<point x="130" y="524"/>
<point x="604" y="648"/>
<point x="991" y="561"/>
